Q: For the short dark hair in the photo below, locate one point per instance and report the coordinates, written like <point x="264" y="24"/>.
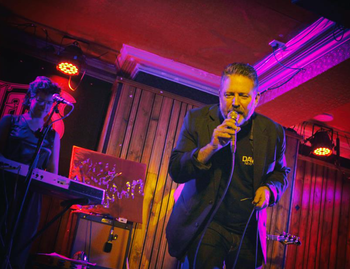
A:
<point x="40" y="84"/>
<point x="242" y="69"/>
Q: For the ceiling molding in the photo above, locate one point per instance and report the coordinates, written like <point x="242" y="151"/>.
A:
<point x="305" y="50"/>
<point x="316" y="49"/>
<point x="312" y="70"/>
<point x="133" y="60"/>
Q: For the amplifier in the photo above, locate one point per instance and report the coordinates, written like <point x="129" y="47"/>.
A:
<point x="104" y="241"/>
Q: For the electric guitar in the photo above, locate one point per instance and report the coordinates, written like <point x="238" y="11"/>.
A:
<point x="285" y="239"/>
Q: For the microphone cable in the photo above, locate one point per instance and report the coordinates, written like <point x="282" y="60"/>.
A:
<point x="257" y="241"/>
<point x="245" y="228"/>
<point x="233" y="151"/>
<point x="215" y="210"/>
<point x="241" y="241"/>
<point x="234" y="116"/>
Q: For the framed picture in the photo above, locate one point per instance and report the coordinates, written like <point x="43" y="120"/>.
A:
<point x="123" y="181"/>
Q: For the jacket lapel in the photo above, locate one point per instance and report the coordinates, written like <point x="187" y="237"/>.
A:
<point x="213" y="122"/>
<point x="260" y="150"/>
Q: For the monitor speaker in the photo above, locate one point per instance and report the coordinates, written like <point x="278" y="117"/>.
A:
<point x="104" y="241"/>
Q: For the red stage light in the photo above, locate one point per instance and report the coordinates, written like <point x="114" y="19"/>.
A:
<point x="68" y="68"/>
<point x="322" y="152"/>
<point x="71" y="59"/>
<point x="321" y="144"/>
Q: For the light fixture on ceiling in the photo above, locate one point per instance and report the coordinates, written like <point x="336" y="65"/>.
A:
<point x="324" y="117"/>
<point x="71" y="59"/>
<point x="321" y="141"/>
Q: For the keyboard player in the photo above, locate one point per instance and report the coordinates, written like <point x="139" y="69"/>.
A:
<point x="18" y="139"/>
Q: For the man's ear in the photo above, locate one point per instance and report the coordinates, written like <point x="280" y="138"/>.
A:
<point x="257" y="98"/>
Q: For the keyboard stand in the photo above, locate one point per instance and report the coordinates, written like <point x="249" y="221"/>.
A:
<point x="67" y="205"/>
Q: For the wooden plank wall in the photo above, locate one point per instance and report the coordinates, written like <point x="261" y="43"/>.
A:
<point x="278" y="216"/>
<point x="142" y="125"/>
<point x="320" y="216"/>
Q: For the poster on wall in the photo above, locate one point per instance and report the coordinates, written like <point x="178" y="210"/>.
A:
<point x="123" y="181"/>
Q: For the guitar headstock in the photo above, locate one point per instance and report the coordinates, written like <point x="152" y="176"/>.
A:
<point x="289" y="239"/>
<point x="285" y="239"/>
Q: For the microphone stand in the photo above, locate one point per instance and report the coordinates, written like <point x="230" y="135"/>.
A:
<point x="28" y="179"/>
<point x="67" y="205"/>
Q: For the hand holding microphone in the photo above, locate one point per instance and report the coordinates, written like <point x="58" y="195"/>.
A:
<point x="234" y="116"/>
<point x="223" y="134"/>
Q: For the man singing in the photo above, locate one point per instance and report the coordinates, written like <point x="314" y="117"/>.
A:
<point x="232" y="161"/>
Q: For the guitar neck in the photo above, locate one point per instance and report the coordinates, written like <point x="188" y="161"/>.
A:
<point x="274" y="237"/>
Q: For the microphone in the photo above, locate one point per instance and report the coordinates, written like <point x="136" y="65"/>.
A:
<point x="59" y="99"/>
<point x="233" y="115"/>
<point x="108" y="245"/>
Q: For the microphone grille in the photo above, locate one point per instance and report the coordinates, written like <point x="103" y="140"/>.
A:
<point x="233" y="115"/>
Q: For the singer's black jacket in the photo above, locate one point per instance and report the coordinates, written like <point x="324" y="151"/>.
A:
<point x="202" y="181"/>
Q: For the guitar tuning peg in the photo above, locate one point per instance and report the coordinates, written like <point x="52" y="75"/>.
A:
<point x="298" y="241"/>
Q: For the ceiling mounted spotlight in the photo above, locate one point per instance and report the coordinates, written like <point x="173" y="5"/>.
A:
<point x="321" y="141"/>
<point x="71" y="59"/>
<point x="321" y="144"/>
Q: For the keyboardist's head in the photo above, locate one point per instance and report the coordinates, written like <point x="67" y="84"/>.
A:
<point x="39" y="97"/>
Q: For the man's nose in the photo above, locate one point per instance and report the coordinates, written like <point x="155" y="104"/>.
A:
<point x="235" y="102"/>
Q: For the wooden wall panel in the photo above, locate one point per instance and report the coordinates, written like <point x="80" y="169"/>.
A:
<point x="156" y="167"/>
<point x="142" y="125"/>
<point x="161" y="200"/>
<point x="314" y="198"/>
<point x="118" y="123"/>
<point x="344" y="227"/>
<point x="166" y="260"/>
<point x="320" y="216"/>
<point x="278" y="216"/>
<point x="336" y="219"/>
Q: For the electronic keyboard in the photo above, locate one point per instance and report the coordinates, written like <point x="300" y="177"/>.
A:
<point x="53" y="184"/>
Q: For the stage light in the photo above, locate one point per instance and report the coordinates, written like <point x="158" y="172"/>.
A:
<point x="321" y="143"/>
<point x="71" y="60"/>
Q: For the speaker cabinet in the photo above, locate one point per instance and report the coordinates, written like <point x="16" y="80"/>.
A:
<point x="91" y="235"/>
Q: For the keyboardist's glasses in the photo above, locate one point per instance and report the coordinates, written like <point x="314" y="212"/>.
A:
<point x="41" y="101"/>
